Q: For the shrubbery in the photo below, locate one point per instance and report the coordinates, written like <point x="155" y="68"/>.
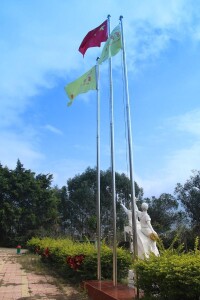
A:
<point x="174" y="275"/>
<point x="78" y="261"/>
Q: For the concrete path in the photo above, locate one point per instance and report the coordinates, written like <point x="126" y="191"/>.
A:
<point x="16" y="283"/>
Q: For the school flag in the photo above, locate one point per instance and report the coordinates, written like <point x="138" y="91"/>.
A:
<point x="81" y="85"/>
<point x="112" y="46"/>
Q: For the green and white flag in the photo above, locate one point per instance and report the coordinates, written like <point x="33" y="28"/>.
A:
<point x="81" y="85"/>
<point x="112" y="45"/>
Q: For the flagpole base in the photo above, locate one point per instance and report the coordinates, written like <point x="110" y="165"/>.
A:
<point x="105" y="290"/>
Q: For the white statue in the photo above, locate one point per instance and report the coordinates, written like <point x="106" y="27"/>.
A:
<point x="128" y="228"/>
<point x="129" y="214"/>
<point x="145" y="220"/>
<point x="146" y="236"/>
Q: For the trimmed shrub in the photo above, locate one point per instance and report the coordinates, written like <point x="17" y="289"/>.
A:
<point x="78" y="261"/>
<point x="173" y="275"/>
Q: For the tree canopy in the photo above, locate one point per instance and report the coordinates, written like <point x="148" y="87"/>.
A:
<point x="28" y="205"/>
<point x="188" y="195"/>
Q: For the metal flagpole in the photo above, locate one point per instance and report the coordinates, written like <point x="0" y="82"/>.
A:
<point x="113" y="169"/>
<point x="133" y="202"/>
<point x="98" y="179"/>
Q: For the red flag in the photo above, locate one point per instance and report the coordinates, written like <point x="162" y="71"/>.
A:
<point x="94" y="38"/>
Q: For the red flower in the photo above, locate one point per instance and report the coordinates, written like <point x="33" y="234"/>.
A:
<point x="37" y="250"/>
<point x="75" y="261"/>
<point x="46" y="253"/>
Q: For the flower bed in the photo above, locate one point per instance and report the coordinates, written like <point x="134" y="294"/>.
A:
<point x="78" y="261"/>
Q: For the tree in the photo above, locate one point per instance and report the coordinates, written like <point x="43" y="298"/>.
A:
<point x="64" y="213"/>
<point x="82" y="201"/>
<point x="28" y="205"/>
<point x="166" y="216"/>
<point x="163" y="212"/>
<point x="9" y="210"/>
<point x="189" y="196"/>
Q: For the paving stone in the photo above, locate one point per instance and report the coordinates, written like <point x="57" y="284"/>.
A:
<point x="17" y="284"/>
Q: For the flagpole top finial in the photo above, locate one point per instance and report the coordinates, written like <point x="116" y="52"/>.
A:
<point x="121" y="17"/>
<point x="108" y="16"/>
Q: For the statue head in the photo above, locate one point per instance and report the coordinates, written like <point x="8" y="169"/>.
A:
<point x="144" y="206"/>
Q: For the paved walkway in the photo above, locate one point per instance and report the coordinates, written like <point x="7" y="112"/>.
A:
<point x="16" y="283"/>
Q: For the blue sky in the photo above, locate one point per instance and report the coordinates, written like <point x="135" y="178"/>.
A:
<point x="39" y="43"/>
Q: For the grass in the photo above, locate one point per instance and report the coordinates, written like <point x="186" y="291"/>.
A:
<point x="32" y="263"/>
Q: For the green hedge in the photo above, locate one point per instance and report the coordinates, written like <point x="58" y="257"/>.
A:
<point x="78" y="261"/>
<point x="173" y="275"/>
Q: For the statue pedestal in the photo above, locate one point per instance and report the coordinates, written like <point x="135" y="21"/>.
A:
<point x="131" y="278"/>
<point x="104" y="290"/>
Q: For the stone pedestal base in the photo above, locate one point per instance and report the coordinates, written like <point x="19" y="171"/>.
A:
<point x="104" y="290"/>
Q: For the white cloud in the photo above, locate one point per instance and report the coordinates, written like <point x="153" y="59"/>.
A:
<point x="65" y="169"/>
<point x="38" y="46"/>
<point x="180" y="161"/>
<point x="188" y="122"/>
<point x="14" y="146"/>
<point x="152" y="28"/>
<point x="53" y="129"/>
